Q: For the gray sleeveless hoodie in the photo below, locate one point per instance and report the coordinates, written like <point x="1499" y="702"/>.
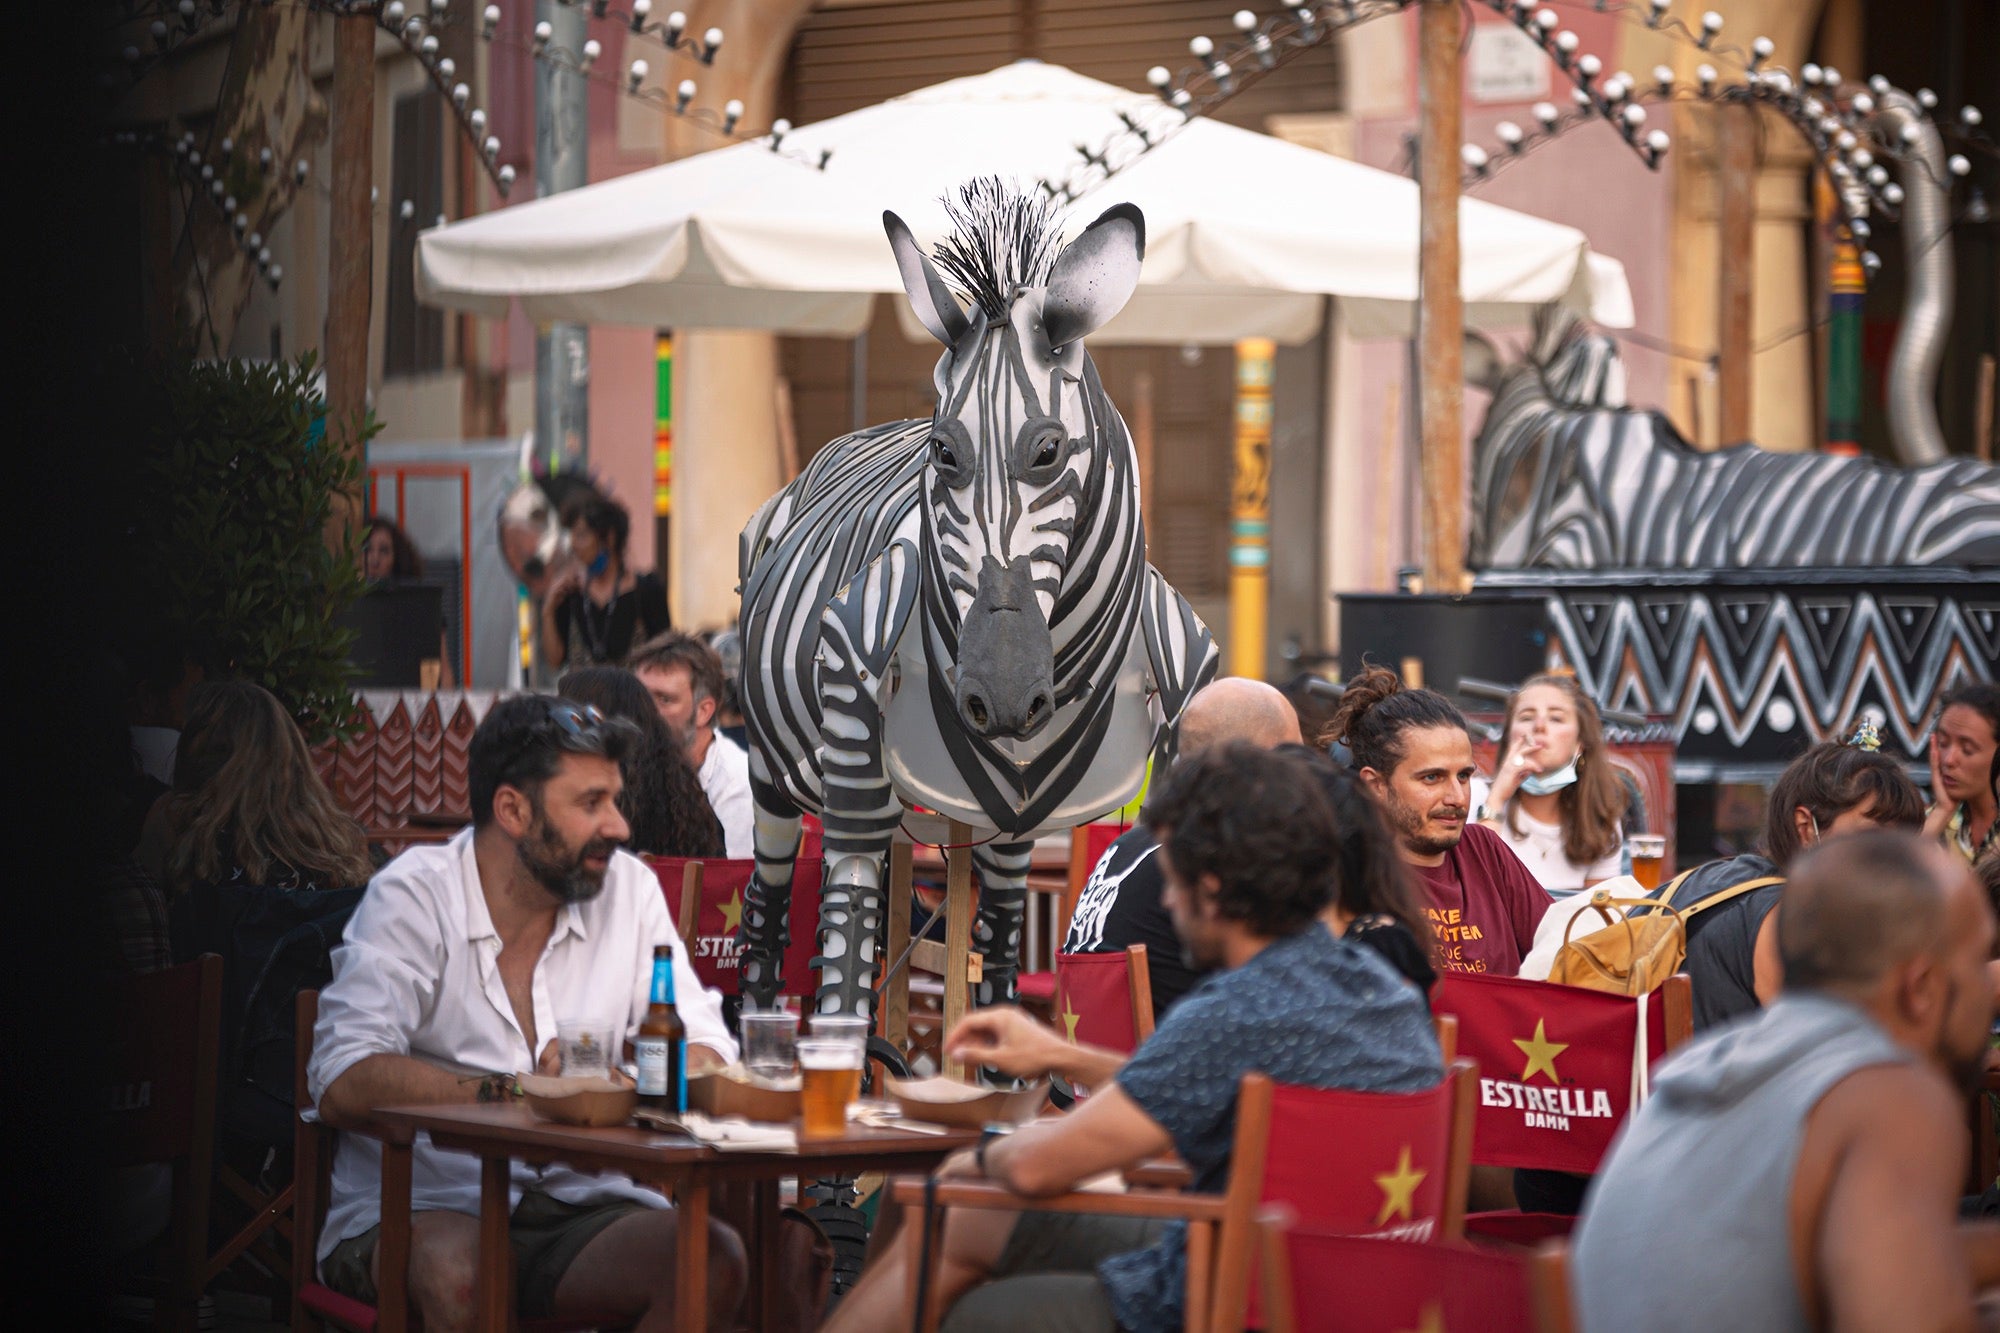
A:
<point x="1686" y="1225"/>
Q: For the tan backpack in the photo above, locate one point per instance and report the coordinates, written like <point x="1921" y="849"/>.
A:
<point x="1632" y="955"/>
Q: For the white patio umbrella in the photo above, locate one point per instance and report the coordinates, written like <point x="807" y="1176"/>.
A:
<point x="1245" y="234"/>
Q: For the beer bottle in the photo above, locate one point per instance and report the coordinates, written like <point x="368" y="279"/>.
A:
<point x="662" y="1042"/>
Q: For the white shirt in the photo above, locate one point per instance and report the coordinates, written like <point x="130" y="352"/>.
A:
<point x="1540" y="847"/>
<point x="418" y="974"/>
<point x="725" y="776"/>
<point x="155" y="747"/>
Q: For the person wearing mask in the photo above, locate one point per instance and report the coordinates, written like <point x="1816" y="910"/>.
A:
<point x="1555" y="799"/>
<point x="1965" y="767"/>
<point x="596" y="608"/>
<point x="1413" y="754"/>
<point x="662" y="800"/>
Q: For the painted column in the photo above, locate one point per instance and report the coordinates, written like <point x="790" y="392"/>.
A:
<point x="562" y="162"/>
<point x="1250" y="509"/>
<point x="1843" y="351"/>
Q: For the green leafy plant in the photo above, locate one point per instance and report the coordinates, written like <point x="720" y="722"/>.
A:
<point x="232" y="499"/>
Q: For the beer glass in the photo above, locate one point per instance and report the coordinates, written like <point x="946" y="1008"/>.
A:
<point x="1649" y="851"/>
<point x="589" y="1046"/>
<point x="831" y="1069"/>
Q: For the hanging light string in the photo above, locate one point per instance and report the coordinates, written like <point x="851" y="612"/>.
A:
<point x="1843" y="123"/>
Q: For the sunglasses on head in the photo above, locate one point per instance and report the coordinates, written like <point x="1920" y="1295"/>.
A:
<point x="581" y="722"/>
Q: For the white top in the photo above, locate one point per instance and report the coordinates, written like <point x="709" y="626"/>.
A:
<point x="155" y="747"/>
<point x="1540" y="848"/>
<point x="418" y="974"/>
<point x="725" y="776"/>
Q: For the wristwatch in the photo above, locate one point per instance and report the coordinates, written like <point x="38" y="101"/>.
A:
<point x="987" y="1135"/>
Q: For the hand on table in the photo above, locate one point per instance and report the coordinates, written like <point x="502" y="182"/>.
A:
<point x="1007" y="1040"/>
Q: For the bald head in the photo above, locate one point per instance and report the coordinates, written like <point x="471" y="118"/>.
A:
<point x="1236" y="708"/>
<point x="1858" y="906"/>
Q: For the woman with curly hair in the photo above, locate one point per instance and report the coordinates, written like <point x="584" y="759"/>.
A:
<point x="663" y="800"/>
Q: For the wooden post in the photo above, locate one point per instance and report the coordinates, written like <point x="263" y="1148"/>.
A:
<point x="1736" y="235"/>
<point x="350" y="245"/>
<point x="1441" y="302"/>
<point x="896" y="991"/>
<point x="957" y="934"/>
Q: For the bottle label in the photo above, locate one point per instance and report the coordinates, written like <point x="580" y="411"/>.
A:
<point x="653" y="1062"/>
<point x="663" y="981"/>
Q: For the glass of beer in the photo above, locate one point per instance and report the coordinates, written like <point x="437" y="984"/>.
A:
<point x="1649" y="852"/>
<point x="831" y="1070"/>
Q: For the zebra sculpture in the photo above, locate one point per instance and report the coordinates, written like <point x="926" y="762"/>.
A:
<point x="1566" y="476"/>
<point x="957" y="612"/>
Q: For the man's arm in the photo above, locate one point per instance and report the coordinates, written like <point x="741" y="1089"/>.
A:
<point x="1889" y="1253"/>
<point x="1013" y="1043"/>
<point x="391" y="1080"/>
<point x="1107" y="1133"/>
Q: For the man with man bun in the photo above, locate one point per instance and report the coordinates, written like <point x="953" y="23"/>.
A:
<point x="1413" y="752"/>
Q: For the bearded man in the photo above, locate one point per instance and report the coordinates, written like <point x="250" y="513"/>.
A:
<point x="1414" y="755"/>
<point x="454" y="972"/>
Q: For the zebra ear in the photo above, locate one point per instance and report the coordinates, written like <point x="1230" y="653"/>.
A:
<point x="1095" y="276"/>
<point x="937" y="310"/>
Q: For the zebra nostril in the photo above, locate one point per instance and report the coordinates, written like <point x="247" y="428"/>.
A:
<point x="975" y="709"/>
<point x="1036" y="707"/>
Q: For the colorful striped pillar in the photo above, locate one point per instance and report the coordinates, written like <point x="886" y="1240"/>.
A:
<point x="1843" y="351"/>
<point x="1250" y="510"/>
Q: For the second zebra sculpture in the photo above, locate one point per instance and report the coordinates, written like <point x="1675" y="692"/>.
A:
<point x="957" y="613"/>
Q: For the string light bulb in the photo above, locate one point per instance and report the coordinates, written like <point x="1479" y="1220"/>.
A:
<point x="1969" y="116"/>
<point x="635" y="75"/>
<point x="392" y="13"/>
<point x="732" y="111"/>
<point x="1958" y="164"/>
<point x="1244" y="20"/>
<point x="477" y="119"/>
<point x="1663" y="79"/>
<point x="1509" y="134"/>
<point x="711" y="42"/>
<point x="592" y="49"/>
<point x="506" y="180"/>
<point x="543" y="32"/>
<point x="1711" y="24"/>
<point x="676" y="24"/>
<point x="447" y="68"/>
<point x="489" y="22"/>
<point x="1704" y="75"/>
<point x="683" y="95"/>
<point x="460" y="95"/>
<point x="1761" y="50"/>
<point x="1546" y="114"/>
<point x="779" y="129"/>
<point x="641" y="11"/>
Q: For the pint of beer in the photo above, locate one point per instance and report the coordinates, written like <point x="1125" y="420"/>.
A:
<point x="832" y="1078"/>
<point x="1649" y="852"/>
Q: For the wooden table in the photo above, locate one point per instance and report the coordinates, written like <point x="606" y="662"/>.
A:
<point x="505" y="1133"/>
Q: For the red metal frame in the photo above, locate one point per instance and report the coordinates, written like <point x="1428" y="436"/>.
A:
<point x="402" y="472"/>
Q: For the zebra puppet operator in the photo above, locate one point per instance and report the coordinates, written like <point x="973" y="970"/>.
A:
<point x="957" y="613"/>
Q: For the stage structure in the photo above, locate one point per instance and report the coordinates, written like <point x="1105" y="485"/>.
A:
<point x="957" y="613"/>
<point x="1758" y="601"/>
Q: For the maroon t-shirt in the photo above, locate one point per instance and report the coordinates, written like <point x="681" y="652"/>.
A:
<point x="1483" y="904"/>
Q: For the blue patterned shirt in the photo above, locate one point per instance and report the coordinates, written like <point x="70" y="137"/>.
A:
<point x="1311" y="1009"/>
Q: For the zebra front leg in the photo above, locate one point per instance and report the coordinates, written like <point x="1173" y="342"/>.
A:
<point x="766" y="929"/>
<point x="996" y="932"/>
<point x="858" y="634"/>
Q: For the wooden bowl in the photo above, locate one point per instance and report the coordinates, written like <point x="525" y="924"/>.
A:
<point x="946" y="1101"/>
<point x="579" y="1101"/>
<point x="732" y="1092"/>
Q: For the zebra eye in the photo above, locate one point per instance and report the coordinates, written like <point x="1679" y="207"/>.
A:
<point x="1045" y="454"/>
<point x="942" y="455"/>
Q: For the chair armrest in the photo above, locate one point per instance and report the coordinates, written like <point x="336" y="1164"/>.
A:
<point x="1162" y="1173"/>
<point x="987" y="1194"/>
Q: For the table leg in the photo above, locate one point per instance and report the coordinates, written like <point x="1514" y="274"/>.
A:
<point x="764" y="1222"/>
<point x="392" y="1295"/>
<point x="493" y="1290"/>
<point x="691" y="1263"/>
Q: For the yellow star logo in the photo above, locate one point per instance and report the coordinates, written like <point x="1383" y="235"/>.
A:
<point x="1069" y="1018"/>
<point x="1541" y="1053"/>
<point x="1399" y="1190"/>
<point x="1431" y="1320"/>
<point x="732" y="912"/>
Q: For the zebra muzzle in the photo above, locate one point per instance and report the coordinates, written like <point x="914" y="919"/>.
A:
<point x="1005" y="684"/>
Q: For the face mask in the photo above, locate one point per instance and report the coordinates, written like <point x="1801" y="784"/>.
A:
<point x="1545" y="784"/>
<point x="602" y="563"/>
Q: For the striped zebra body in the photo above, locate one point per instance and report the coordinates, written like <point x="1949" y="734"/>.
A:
<point x="1567" y="477"/>
<point x="956" y="613"/>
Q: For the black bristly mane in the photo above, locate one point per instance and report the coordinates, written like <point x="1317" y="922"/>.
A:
<point x="1001" y="240"/>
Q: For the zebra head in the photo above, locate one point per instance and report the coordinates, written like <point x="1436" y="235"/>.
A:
<point x="1020" y="437"/>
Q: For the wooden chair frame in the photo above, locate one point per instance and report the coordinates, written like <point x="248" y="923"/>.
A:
<point x="1139" y="989"/>
<point x="185" y="1242"/>
<point x="1548" y="1277"/>
<point x="1221" y="1228"/>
